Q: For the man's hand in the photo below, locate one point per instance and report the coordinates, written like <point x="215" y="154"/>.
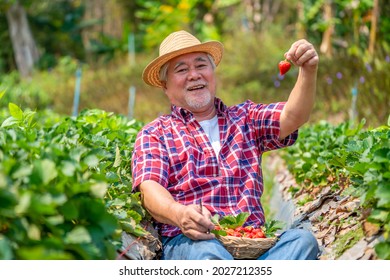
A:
<point x="303" y="54"/>
<point x="194" y="222"/>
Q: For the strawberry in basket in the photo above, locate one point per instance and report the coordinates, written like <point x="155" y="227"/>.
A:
<point x="233" y="226"/>
<point x="245" y="242"/>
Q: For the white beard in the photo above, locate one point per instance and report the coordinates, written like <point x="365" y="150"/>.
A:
<point x="198" y="101"/>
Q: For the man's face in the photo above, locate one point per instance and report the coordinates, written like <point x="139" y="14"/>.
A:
<point x="191" y="82"/>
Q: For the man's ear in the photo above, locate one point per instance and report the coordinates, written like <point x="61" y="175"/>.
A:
<point x="164" y="87"/>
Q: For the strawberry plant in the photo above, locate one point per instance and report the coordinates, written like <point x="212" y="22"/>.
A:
<point x="310" y="159"/>
<point x="344" y="153"/>
<point x="271" y="227"/>
<point x="65" y="185"/>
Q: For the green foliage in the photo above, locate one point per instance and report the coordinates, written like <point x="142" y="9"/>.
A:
<point x="63" y="21"/>
<point x="24" y="93"/>
<point x="347" y="19"/>
<point x="247" y="71"/>
<point x="161" y="18"/>
<point x="363" y="157"/>
<point x="309" y="160"/>
<point x="6" y="52"/>
<point x="230" y="221"/>
<point x="250" y="72"/>
<point x="272" y="226"/>
<point x="65" y="185"/>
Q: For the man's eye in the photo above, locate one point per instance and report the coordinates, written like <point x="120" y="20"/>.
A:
<point x="201" y="66"/>
<point x="181" y="70"/>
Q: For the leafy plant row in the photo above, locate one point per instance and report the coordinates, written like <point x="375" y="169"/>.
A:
<point x="65" y="185"/>
<point x="345" y="151"/>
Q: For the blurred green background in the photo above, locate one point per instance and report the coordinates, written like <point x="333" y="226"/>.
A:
<point x="45" y="42"/>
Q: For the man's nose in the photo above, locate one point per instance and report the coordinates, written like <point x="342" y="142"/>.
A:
<point x="193" y="73"/>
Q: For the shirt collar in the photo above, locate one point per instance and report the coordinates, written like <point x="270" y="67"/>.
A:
<point x="185" y="115"/>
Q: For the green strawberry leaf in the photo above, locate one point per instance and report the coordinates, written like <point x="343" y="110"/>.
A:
<point x="215" y="219"/>
<point x="383" y="250"/>
<point x="228" y="221"/>
<point x="15" y="111"/>
<point x="241" y="218"/>
<point x="271" y="227"/>
<point x="219" y="232"/>
<point x="3" y="92"/>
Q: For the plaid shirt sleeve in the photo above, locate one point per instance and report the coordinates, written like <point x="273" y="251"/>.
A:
<point x="150" y="158"/>
<point x="266" y="120"/>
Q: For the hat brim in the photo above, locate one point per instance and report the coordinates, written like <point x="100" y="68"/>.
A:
<point x="151" y="73"/>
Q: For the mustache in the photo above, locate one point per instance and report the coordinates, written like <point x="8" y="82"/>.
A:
<point x="196" y="86"/>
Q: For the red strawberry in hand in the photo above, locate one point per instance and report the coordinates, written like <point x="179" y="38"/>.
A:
<point x="284" y="66"/>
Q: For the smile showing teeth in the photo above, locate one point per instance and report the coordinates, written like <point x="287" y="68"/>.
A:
<point x="196" y="87"/>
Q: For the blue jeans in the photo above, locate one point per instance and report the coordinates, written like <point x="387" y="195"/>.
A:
<point x="293" y="244"/>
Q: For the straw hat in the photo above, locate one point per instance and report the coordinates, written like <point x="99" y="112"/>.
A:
<point x="178" y="43"/>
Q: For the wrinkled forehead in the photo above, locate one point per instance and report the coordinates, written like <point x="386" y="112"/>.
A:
<point x="189" y="58"/>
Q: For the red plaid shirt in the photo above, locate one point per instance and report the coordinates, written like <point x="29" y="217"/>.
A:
<point x="174" y="151"/>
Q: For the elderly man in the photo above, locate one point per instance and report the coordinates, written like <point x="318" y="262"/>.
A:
<point x="207" y="152"/>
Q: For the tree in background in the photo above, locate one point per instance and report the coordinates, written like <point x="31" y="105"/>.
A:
<point x="23" y="42"/>
<point x="103" y="26"/>
<point x="374" y="29"/>
<point x="38" y="27"/>
<point x="344" y="24"/>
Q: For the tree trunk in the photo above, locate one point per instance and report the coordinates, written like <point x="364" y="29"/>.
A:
<point x="270" y="9"/>
<point x="23" y="43"/>
<point x="374" y="22"/>
<point x="109" y="20"/>
<point x="326" y="44"/>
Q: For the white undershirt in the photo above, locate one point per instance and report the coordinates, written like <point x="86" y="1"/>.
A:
<point x="211" y="128"/>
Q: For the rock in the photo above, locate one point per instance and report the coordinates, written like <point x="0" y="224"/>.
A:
<point x="136" y="248"/>
<point x="146" y="247"/>
<point x="370" y="229"/>
<point x="355" y="252"/>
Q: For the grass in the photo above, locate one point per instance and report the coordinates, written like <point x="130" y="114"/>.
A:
<point x="347" y="241"/>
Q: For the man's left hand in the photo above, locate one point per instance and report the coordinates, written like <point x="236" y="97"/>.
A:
<point x="303" y="54"/>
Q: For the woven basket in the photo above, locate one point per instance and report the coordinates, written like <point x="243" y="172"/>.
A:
<point x="246" y="248"/>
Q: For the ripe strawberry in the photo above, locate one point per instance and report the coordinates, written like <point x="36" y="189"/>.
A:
<point x="248" y="228"/>
<point x="284" y="66"/>
<point x="239" y="229"/>
<point x="230" y="232"/>
<point x="258" y="233"/>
